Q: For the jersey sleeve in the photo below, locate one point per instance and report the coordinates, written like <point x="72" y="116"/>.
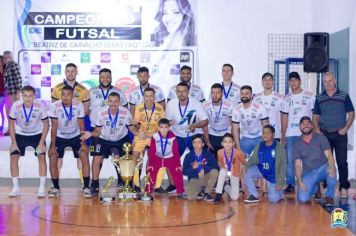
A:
<point x="169" y="113"/>
<point x="263" y="113"/>
<point x="80" y="111"/>
<point x="285" y="106"/>
<point x="43" y="111"/>
<point x="129" y="118"/>
<point x="171" y="94"/>
<point x="123" y="99"/>
<point x="55" y="93"/>
<point x="202" y="115"/>
<point x="85" y="96"/>
<point x="349" y="107"/>
<point x="132" y="98"/>
<point x="201" y="97"/>
<point x="53" y="112"/>
<point x="159" y="95"/>
<point x="12" y="114"/>
<point x="235" y="116"/>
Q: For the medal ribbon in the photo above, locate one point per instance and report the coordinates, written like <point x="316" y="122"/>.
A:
<point x="105" y="95"/>
<point x="226" y="95"/>
<point x="68" y="115"/>
<point x="163" y="148"/>
<point x="27" y="117"/>
<point x="152" y="110"/>
<point x="217" y="114"/>
<point x="185" y="109"/>
<point x="113" y="122"/>
<point x="228" y="162"/>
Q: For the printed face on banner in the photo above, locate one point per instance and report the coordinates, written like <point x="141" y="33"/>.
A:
<point x="120" y="36"/>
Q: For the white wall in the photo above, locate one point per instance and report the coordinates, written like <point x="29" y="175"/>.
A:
<point x="236" y="32"/>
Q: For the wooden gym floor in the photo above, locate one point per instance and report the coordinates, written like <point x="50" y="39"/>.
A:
<point x="71" y="214"/>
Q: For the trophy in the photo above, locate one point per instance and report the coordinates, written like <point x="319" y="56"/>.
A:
<point x="106" y="193"/>
<point x="126" y="167"/>
<point x="145" y="197"/>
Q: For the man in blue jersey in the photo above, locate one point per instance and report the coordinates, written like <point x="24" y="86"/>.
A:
<point x="268" y="161"/>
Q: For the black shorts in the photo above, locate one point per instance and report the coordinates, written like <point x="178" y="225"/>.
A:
<point x="105" y="148"/>
<point x="24" y="141"/>
<point x="93" y="143"/>
<point x="75" y="143"/>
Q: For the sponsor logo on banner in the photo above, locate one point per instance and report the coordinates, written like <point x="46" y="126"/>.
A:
<point x="155" y="69"/>
<point x="35" y="69"/>
<point x="175" y="69"/>
<point x="56" y="69"/>
<point x="38" y="93"/>
<point x="95" y="69"/>
<point x="184" y="57"/>
<point x="134" y="69"/>
<point x="26" y="57"/>
<point x="126" y="84"/>
<point x="65" y="57"/>
<point x="85" y="57"/>
<point x="105" y="57"/>
<point x="46" y="81"/>
<point x="125" y="58"/>
<point x="46" y="57"/>
<point x="145" y="57"/>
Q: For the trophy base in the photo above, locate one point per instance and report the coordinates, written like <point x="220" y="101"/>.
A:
<point x="146" y="198"/>
<point x="107" y="200"/>
<point x="124" y="196"/>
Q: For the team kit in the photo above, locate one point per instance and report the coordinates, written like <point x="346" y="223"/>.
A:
<point x="230" y="143"/>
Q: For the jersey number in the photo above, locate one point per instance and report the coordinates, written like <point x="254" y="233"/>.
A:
<point x="265" y="166"/>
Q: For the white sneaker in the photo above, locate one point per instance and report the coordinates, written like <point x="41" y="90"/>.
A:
<point x="87" y="193"/>
<point x="41" y="193"/>
<point x="14" y="192"/>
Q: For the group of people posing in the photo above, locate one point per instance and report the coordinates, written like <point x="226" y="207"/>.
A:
<point x="225" y="142"/>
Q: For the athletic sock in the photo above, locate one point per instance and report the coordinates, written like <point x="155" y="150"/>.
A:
<point x="15" y="182"/>
<point x="55" y="183"/>
<point x="42" y="182"/>
<point x="86" y="182"/>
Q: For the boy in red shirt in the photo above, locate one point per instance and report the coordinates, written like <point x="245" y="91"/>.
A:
<point x="164" y="152"/>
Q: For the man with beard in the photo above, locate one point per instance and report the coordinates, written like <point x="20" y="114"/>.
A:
<point x="187" y="117"/>
<point x="314" y="162"/>
<point x="194" y="90"/>
<point x="98" y="101"/>
<point x="230" y="89"/>
<point x="296" y="104"/>
<point x="219" y="113"/>
<point x="249" y="116"/>
<point x="136" y="95"/>
<point x="272" y="101"/>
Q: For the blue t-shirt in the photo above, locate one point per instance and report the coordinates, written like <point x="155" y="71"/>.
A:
<point x="267" y="157"/>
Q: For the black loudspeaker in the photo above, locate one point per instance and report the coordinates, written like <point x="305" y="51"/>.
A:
<point x="316" y="52"/>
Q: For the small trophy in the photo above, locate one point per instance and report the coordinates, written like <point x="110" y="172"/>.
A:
<point x="106" y="193"/>
<point x="126" y="167"/>
<point x="145" y="197"/>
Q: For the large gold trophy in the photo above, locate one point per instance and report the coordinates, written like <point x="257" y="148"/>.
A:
<point x="126" y="167"/>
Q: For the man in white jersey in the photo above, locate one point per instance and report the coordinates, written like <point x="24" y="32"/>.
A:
<point x="111" y="128"/>
<point x="231" y="91"/>
<point x="194" y="90"/>
<point x="272" y="101"/>
<point x="219" y="113"/>
<point x="28" y="126"/>
<point x="98" y="101"/>
<point x="249" y="116"/>
<point x="67" y="118"/>
<point x="296" y="104"/>
<point x="136" y="95"/>
<point x="187" y="117"/>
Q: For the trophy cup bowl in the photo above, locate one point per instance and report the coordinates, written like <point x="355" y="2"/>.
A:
<point x="126" y="166"/>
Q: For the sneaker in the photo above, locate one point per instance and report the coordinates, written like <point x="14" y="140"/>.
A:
<point x="41" y="193"/>
<point x="242" y="192"/>
<point x="53" y="192"/>
<point x="86" y="193"/>
<point x="182" y="196"/>
<point x="208" y="198"/>
<point x="160" y="190"/>
<point x="344" y="193"/>
<point x="251" y="199"/>
<point x="317" y="196"/>
<point x="94" y="192"/>
<point x="14" y="192"/>
<point x="329" y="202"/>
<point x="137" y="189"/>
<point x="217" y="198"/>
<point x="201" y="196"/>
<point x="171" y="189"/>
<point x="289" y="189"/>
